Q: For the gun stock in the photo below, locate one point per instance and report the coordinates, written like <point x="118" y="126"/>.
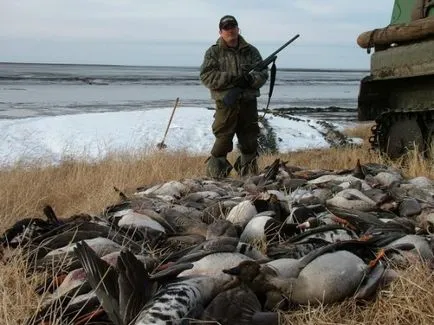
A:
<point x="232" y="95"/>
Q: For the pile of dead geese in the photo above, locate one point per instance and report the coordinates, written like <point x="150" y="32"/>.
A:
<point x="229" y="251"/>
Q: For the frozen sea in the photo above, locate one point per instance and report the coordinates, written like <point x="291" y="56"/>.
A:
<point x="52" y="110"/>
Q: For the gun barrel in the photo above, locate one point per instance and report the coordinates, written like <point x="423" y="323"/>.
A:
<point x="285" y="45"/>
<point x="270" y="58"/>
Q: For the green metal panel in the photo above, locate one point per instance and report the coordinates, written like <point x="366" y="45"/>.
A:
<point x="401" y="13"/>
<point x="411" y="60"/>
<point x="402" y="9"/>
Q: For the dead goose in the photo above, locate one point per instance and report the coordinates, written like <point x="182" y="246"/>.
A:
<point x="200" y="199"/>
<point x="64" y="256"/>
<point x="304" y="213"/>
<point x="63" y="239"/>
<point x="74" y="282"/>
<point x="139" y="216"/>
<point x="266" y="283"/>
<point x="422" y="246"/>
<point x="116" y="290"/>
<point x="329" y="278"/>
<point x="222" y="228"/>
<point x="58" y="238"/>
<point x="334" y="272"/>
<point x="304" y="197"/>
<point x="220" y="245"/>
<point x="171" y="189"/>
<point x="135" y="299"/>
<point x="330" y="233"/>
<point x="140" y="221"/>
<point x="79" y="310"/>
<point x="239" y="305"/>
<point x="212" y="265"/>
<point x="242" y="213"/>
<point x="217" y="231"/>
<point x="294" y="250"/>
<point x="409" y="207"/>
<point x="179" y="242"/>
<point x="365" y="223"/>
<point x="185" y="298"/>
<point x="325" y="275"/>
<point x="352" y="199"/>
<point x="184" y="220"/>
<point x="388" y="178"/>
<point x="263" y="230"/>
<point x="25" y="230"/>
<point x="302" y="244"/>
<point x="332" y="179"/>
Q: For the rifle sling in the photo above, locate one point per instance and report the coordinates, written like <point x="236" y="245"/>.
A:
<point x="273" y="71"/>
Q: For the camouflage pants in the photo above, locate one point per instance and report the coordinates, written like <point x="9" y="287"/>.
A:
<point x="241" y="120"/>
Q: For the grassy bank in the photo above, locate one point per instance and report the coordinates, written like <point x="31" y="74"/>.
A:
<point x="76" y="186"/>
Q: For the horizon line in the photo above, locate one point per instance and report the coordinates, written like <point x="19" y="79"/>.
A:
<point x="180" y="66"/>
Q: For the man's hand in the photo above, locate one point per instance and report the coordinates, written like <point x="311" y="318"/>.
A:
<point x="243" y="81"/>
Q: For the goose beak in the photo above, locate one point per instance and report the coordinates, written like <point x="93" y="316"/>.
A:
<point x="304" y="225"/>
<point x="233" y="271"/>
<point x="165" y="266"/>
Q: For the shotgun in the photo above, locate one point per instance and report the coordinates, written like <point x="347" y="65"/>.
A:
<point x="232" y="95"/>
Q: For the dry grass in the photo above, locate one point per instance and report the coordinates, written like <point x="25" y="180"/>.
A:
<point x="363" y="130"/>
<point x="18" y="297"/>
<point x="78" y="186"/>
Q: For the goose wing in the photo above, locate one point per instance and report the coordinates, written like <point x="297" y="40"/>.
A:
<point x="103" y="279"/>
<point x="135" y="286"/>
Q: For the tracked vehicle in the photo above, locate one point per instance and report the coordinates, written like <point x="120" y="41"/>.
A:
<point x="398" y="94"/>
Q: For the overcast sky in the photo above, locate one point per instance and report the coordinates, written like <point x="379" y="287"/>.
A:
<point x="177" y="32"/>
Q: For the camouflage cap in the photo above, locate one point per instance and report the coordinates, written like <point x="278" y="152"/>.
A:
<point x="227" y="20"/>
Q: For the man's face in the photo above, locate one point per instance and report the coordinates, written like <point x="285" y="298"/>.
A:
<point x="229" y="33"/>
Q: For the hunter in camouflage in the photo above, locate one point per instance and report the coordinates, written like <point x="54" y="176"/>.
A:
<point x="224" y="67"/>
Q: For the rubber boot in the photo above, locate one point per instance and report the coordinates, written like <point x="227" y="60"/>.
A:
<point x="246" y="165"/>
<point x="218" y="167"/>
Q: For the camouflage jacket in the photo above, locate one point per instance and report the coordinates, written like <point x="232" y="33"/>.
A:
<point x="222" y="65"/>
